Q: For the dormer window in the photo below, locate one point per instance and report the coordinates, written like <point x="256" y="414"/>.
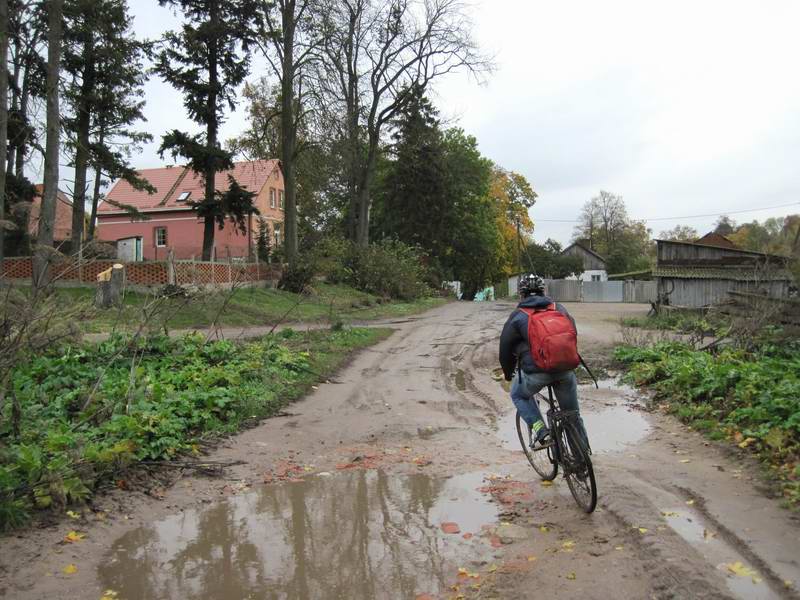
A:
<point x="184" y="196"/>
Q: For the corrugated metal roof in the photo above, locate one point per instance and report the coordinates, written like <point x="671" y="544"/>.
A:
<point x="742" y="274"/>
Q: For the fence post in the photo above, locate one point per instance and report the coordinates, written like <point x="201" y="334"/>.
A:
<point x="171" y="280"/>
<point x="194" y="271"/>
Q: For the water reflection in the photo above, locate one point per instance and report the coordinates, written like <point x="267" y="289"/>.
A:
<point x="361" y="534"/>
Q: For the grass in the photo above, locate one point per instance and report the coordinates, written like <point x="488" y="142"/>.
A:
<point x="86" y="413"/>
<point x="687" y="322"/>
<point x="747" y="397"/>
<point x="248" y="307"/>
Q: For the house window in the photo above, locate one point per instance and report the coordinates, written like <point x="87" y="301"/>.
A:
<point x="184" y="196"/>
<point x="280" y="199"/>
<point x="595" y="277"/>
<point x="272" y="197"/>
<point x="161" y="237"/>
<point x="276" y="230"/>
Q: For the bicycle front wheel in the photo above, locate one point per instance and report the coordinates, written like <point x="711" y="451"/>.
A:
<point x="540" y="457"/>
<point x="578" y="469"/>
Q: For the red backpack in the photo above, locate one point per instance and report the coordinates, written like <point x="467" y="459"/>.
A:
<point x="553" y="339"/>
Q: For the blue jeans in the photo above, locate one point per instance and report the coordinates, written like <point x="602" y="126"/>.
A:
<point x="525" y="385"/>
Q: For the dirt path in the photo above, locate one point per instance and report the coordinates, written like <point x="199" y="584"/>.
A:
<point x="359" y="492"/>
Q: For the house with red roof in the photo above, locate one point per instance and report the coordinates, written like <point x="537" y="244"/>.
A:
<point x="172" y="223"/>
<point x="62" y="228"/>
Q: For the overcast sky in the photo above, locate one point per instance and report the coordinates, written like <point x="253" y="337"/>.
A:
<point x="683" y="108"/>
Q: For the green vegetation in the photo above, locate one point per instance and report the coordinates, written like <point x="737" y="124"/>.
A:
<point x="247" y="307"/>
<point x="87" y="412"/>
<point x="684" y="321"/>
<point x="750" y="398"/>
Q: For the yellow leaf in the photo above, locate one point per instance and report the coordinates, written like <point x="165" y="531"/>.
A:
<point x="73" y="515"/>
<point x="642" y="530"/>
<point x="708" y="534"/>
<point x="571" y="576"/>
<point x="685" y="460"/>
<point x="531" y="558"/>
<point x="544" y="529"/>
<point x="746" y="442"/>
<point x="568" y="545"/>
<point x="74" y="536"/>
<point x="547" y="483"/>
<point x="740" y="570"/>
<point x="492" y="568"/>
<point x="70" y="569"/>
<point x="689" y="502"/>
<point x="462" y="571"/>
<point x="618" y="547"/>
<point x="668" y="513"/>
<point x="109" y="595"/>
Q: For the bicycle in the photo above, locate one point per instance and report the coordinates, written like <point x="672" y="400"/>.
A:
<point x="566" y="448"/>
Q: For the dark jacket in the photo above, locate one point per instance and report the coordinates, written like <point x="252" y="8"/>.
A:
<point x="514" y="344"/>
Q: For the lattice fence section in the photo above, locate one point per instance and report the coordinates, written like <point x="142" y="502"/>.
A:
<point x="151" y="274"/>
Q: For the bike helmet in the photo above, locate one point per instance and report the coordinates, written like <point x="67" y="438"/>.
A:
<point x="530" y="284"/>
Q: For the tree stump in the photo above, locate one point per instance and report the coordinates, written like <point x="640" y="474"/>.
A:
<point x="109" y="287"/>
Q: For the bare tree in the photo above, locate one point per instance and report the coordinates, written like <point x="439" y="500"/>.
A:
<point x="55" y="9"/>
<point x="3" y="118"/>
<point x="289" y="40"/>
<point x="376" y="54"/>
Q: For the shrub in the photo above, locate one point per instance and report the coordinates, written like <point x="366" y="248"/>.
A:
<point x="297" y="278"/>
<point x="388" y="268"/>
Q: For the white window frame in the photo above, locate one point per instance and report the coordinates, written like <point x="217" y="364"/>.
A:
<point x="277" y="230"/>
<point x="166" y="239"/>
<point x="272" y="197"/>
<point x="183" y="196"/>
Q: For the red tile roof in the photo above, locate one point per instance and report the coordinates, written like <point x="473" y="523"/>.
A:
<point x="716" y="239"/>
<point x="171" y="182"/>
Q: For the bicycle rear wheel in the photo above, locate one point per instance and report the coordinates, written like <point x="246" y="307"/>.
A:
<point x="540" y="457"/>
<point x="578" y="469"/>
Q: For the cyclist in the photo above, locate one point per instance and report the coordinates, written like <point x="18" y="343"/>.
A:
<point x="515" y="352"/>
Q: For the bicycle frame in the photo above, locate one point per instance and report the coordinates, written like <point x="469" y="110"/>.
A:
<point x="555" y="419"/>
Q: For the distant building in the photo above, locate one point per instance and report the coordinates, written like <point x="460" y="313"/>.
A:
<point x="594" y="265"/>
<point x="697" y="275"/>
<point x="62" y="230"/>
<point x="717" y="240"/>
<point x="172" y="221"/>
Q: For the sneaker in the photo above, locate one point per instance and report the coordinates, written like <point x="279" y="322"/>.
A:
<point x="539" y="433"/>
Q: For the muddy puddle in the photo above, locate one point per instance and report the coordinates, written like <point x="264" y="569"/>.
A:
<point x="742" y="580"/>
<point x="357" y="534"/>
<point x="613" y="420"/>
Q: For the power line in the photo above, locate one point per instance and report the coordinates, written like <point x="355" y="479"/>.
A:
<point x="730" y="212"/>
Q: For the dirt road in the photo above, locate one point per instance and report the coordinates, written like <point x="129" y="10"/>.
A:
<point x="404" y="480"/>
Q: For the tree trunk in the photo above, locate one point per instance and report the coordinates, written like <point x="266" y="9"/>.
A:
<point x="25" y="94"/>
<point x="48" y="209"/>
<point x="82" y="147"/>
<point x="4" y="84"/>
<point x="98" y="178"/>
<point x="211" y="136"/>
<point x="364" y="188"/>
<point x="3" y="118"/>
<point x="288" y="133"/>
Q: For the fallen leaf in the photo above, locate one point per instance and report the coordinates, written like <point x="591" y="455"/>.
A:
<point x="668" y="513"/>
<point x="420" y="597"/>
<point x="74" y="536"/>
<point x="73" y="515"/>
<point x="112" y="595"/>
<point x="544" y="529"/>
<point x="531" y="558"/>
<point x="642" y="530"/>
<point x="450" y="527"/>
<point x="571" y="576"/>
<point x="740" y="570"/>
<point x="619" y="547"/>
<point x="788" y="583"/>
<point x="568" y="545"/>
<point x="746" y="442"/>
<point x="689" y="502"/>
<point x="685" y="460"/>
<point x="547" y="483"/>
<point x="493" y="568"/>
<point x="708" y="534"/>
<point x="70" y="569"/>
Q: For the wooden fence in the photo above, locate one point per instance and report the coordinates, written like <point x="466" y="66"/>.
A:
<point x="148" y="274"/>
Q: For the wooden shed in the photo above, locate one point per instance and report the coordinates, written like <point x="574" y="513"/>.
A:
<point x="699" y="275"/>
<point x="594" y="265"/>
